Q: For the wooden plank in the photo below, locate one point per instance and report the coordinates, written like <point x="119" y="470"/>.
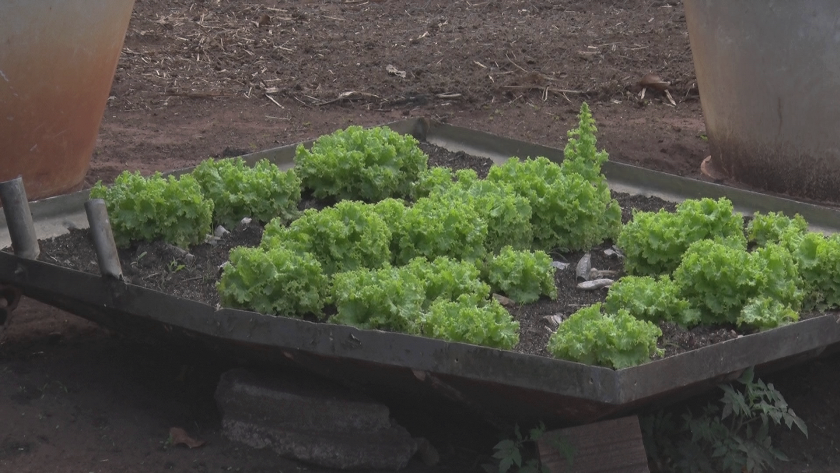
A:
<point x="610" y="446"/>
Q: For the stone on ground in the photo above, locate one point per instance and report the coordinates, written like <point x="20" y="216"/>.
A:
<point x="312" y="421"/>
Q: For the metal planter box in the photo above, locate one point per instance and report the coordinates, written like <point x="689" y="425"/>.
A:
<point x="499" y="385"/>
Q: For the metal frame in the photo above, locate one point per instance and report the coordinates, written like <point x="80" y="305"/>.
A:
<point x="496" y="384"/>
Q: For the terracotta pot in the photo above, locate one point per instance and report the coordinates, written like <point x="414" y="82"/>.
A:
<point x="57" y="62"/>
<point x="769" y="78"/>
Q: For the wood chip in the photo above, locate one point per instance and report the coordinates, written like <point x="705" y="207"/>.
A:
<point x="393" y="70"/>
<point x="654" y="82"/>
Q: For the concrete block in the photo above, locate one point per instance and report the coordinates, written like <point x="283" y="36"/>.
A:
<point x="311" y="420"/>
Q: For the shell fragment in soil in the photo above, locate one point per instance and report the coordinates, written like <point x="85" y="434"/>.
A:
<point x="596" y="273"/>
<point x="560" y="265"/>
<point x="614" y="251"/>
<point x="583" y="267"/>
<point x="553" y="321"/>
<point x="220" y="231"/>
<point x="595" y="284"/>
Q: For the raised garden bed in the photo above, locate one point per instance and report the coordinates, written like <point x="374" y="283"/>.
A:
<point x="161" y="267"/>
<point x="515" y="385"/>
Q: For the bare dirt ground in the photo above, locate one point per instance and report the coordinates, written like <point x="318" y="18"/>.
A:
<point x="219" y="77"/>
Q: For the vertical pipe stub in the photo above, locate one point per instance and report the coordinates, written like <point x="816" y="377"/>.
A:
<point x="19" y="219"/>
<point x="103" y="238"/>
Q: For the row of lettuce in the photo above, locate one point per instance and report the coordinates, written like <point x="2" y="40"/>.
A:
<point x="420" y="250"/>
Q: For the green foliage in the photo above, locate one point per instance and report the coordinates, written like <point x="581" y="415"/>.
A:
<point x="437" y="226"/>
<point x="392" y="212"/>
<point x="464" y="321"/>
<point x="448" y="279"/>
<point x="818" y="261"/>
<point x="435" y="179"/>
<point x="274" y="281"/>
<point x="581" y="156"/>
<point x="616" y="340"/>
<point x="522" y="275"/>
<point x="571" y="205"/>
<point x="516" y="454"/>
<point x="765" y="313"/>
<point x="361" y="164"/>
<point x="507" y="214"/>
<point x="770" y="227"/>
<point x="721" y="278"/>
<point x="441" y="299"/>
<point x="733" y="436"/>
<point x="568" y="212"/>
<point x="348" y="236"/>
<point x="237" y="190"/>
<point x="654" y="243"/>
<point x="385" y="299"/>
<point x="651" y="299"/>
<point x="147" y="209"/>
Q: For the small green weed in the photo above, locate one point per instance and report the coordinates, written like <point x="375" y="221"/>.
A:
<point x="519" y="454"/>
<point x="733" y="436"/>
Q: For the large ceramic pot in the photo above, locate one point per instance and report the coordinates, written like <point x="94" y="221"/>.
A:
<point x="769" y="78"/>
<point x="57" y="62"/>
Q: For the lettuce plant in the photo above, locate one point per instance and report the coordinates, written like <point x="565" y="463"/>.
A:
<point x="347" y="236"/>
<point x="616" y="340"/>
<point x="147" y="209"/>
<point x="361" y="164"/>
<point x="651" y="299"/>
<point x="721" y="278"/>
<point x="771" y="227"/>
<point x="431" y="180"/>
<point x="441" y="299"/>
<point x="581" y="155"/>
<point x="818" y="262"/>
<point x="392" y="212"/>
<point x="439" y="226"/>
<point x="654" y="243"/>
<point x="765" y="313"/>
<point x="506" y="213"/>
<point x="568" y="212"/>
<point x="384" y="299"/>
<point x="571" y="205"/>
<point x="237" y="190"/>
<point x="522" y="275"/>
<point x="445" y="278"/>
<point x="464" y="321"/>
<point x="273" y="281"/>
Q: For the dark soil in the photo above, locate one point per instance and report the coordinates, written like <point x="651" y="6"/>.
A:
<point x="162" y="267"/>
